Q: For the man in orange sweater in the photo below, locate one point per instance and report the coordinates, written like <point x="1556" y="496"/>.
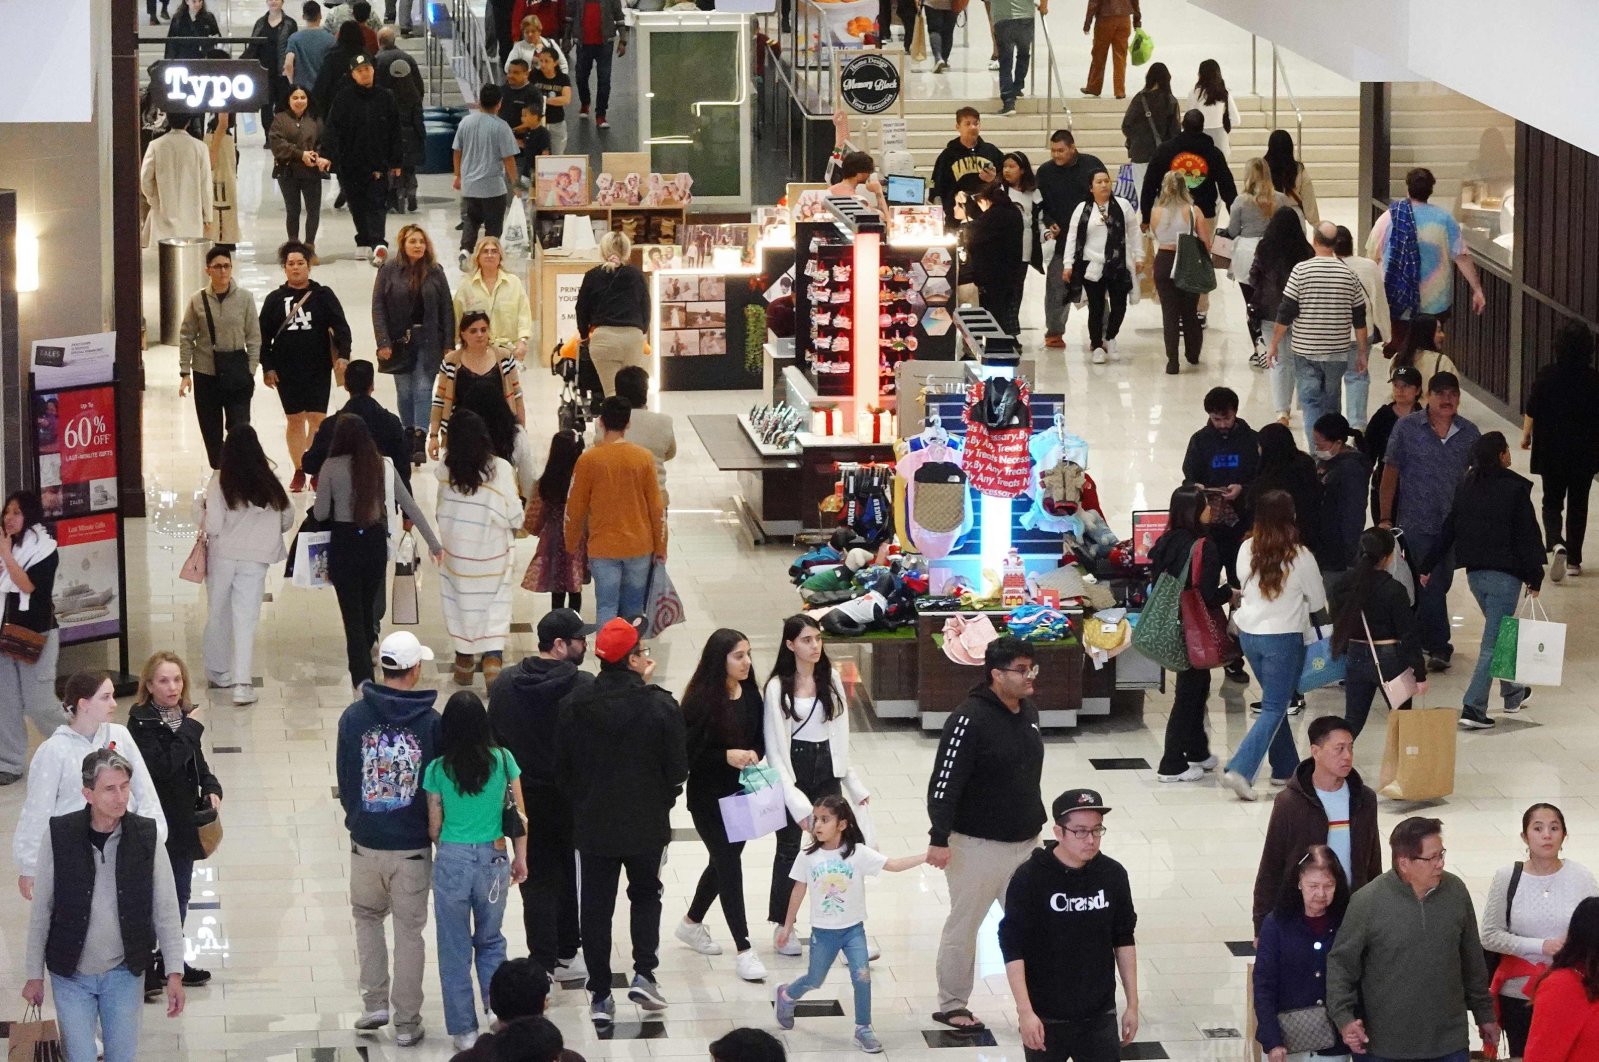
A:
<point x="615" y="502"/>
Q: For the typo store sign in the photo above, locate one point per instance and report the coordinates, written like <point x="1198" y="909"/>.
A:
<point x="869" y="83"/>
<point x="209" y="86"/>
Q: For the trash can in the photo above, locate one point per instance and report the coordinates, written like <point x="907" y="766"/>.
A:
<point x="182" y="262"/>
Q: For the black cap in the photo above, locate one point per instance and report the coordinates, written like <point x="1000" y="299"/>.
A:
<point x="1076" y="800"/>
<point x="1444" y="381"/>
<point x="563" y="624"/>
<point x="1407" y="374"/>
<point x="361" y="59"/>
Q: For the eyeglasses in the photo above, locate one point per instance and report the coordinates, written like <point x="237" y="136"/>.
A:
<point x="1439" y="858"/>
<point x="642" y="650"/>
<point x="1083" y="833"/>
<point x="1031" y="672"/>
<point x="221" y="267"/>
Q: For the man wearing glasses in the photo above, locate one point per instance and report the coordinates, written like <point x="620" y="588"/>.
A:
<point x="1407" y="964"/>
<point x="219" y="347"/>
<point x="1066" y="934"/>
<point x="986" y="810"/>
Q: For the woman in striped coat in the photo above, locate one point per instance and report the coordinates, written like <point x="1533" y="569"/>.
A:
<point x="477" y="514"/>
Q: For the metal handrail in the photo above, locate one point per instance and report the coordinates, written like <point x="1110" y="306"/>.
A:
<point x="1277" y="68"/>
<point x="1054" y="75"/>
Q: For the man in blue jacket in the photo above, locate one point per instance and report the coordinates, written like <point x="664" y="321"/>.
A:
<point x="385" y="740"/>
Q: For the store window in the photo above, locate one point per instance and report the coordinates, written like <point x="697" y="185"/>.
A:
<point x="1470" y="149"/>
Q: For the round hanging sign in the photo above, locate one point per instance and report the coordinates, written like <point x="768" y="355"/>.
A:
<point x="869" y="83"/>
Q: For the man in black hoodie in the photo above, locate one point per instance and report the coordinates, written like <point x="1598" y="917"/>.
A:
<point x="1066" y="934"/>
<point x="1193" y="154"/>
<point x="967" y="155"/>
<point x="524" y="705"/>
<point x="986" y="809"/>
<point x="362" y="140"/>
<point x="1223" y="457"/>
<point x="387" y="431"/>
<point x="622" y="758"/>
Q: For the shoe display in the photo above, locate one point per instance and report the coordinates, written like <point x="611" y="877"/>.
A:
<point x="646" y="993"/>
<point x="749" y="966"/>
<point x="603" y="1010"/>
<point x="1193" y="774"/>
<point x="372" y="1019"/>
<point x="696" y="936"/>
<point x="1558" y="565"/>
<point x="793" y="946"/>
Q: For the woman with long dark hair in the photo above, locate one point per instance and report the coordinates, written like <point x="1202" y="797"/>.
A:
<point x="554" y="570"/>
<point x="1493" y="533"/>
<point x="244" y="516"/>
<point x="1152" y="118"/>
<point x="357" y="491"/>
<point x="723" y="713"/>
<point x="412" y="323"/>
<point x="1187" y="754"/>
<point x="1022" y="186"/>
<point x="806" y="736"/>
<point x="1282" y="247"/>
<point x="1211" y="98"/>
<point x="1291" y="955"/>
<point x="1281" y="587"/>
<point x="1288" y="175"/>
<point x="1526" y="935"/>
<point x="1374" y="628"/>
<point x="28" y="562"/>
<point x="475" y="376"/>
<point x="1560" y="429"/>
<point x="1420" y="347"/>
<point x="995" y="249"/>
<point x="478" y="511"/>
<point x="1565" y="1021"/>
<point x="348" y="42"/>
<point x="467" y="784"/>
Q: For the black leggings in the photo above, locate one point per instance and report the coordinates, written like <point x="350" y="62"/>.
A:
<point x="1186" y="740"/>
<point x="358" y="561"/>
<point x="1561" y="489"/>
<point x="723" y="876"/>
<point x="1251" y="318"/>
<point x="1100" y="326"/>
<point x="813" y="776"/>
<point x="573" y="600"/>
<point x="1515" y="1017"/>
<point x="295" y="189"/>
<point x="940" y="31"/>
<point x="1179" y="311"/>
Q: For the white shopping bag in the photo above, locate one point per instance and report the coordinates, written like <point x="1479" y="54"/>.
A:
<point x="1539" y="648"/>
<point x="747" y="816"/>
<point x="311" y="559"/>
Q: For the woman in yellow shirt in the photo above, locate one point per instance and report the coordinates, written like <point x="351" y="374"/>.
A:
<point x="498" y="293"/>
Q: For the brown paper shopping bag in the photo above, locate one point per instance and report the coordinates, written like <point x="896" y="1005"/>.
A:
<point x="1418" y="758"/>
<point x="34" y="1039"/>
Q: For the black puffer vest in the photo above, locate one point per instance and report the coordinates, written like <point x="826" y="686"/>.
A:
<point x="75" y="868"/>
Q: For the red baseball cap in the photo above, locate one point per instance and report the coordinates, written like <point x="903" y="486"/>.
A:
<point x="616" y="639"/>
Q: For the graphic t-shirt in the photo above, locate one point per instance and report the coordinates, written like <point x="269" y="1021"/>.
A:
<point x="391" y="768"/>
<point x="552" y="87"/>
<point x="837" y="884"/>
<point x="1336" y="805"/>
<point x="472" y="818"/>
<point x="1439" y="242"/>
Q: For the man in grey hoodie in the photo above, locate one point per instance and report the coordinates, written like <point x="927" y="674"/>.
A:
<point x="385" y="740"/>
<point x="1408" y="956"/>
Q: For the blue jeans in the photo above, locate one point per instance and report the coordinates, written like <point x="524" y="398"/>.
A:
<point x="1496" y="594"/>
<point x="415" y="391"/>
<point x="1282" y="376"/>
<point x="1014" y="38"/>
<point x="1432" y="600"/>
<point x="469" y="886"/>
<point x="619" y="586"/>
<point x="113" y="1000"/>
<point x="1276" y="660"/>
<point x="825" y="946"/>
<point x="1357" y="386"/>
<point x="1320" y="384"/>
<point x="590" y="57"/>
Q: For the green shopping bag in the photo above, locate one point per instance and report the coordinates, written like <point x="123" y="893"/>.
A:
<point x="1159" y="632"/>
<point x="757" y="777"/>
<point x="1192" y="270"/>
<point x="1141" y="48"/>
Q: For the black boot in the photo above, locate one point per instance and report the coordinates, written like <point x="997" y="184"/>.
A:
<point x="419" y="446"/>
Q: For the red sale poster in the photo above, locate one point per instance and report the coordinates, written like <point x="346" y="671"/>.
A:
<point x="85" y="597"/>
<point x="76" y="432"/>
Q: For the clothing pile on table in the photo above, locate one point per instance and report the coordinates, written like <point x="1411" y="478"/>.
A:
<point x="860" y="589"/>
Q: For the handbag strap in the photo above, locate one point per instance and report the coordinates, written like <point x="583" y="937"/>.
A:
<point x="1195" y="563"/>
<point x="210" y="323"/>
<point x="1372" y="646"/>
<point x="293" y="310"/>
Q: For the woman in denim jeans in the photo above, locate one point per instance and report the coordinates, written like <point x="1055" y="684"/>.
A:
<point x="1493" y="530"/>
<point x="806" y="736"/>
<point x="466" y="787"/>
<point x="1374" y="623"/>
<point x="1281" y="587"/>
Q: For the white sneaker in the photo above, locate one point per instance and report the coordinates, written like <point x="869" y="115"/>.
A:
<point x="1110" y="348"/>
<point x="873" y="952"/>
<point x="993" y="64"/>
<point x="940" y="66"/>
<point x="793" y="946"/>
<point x="464" y="1041"/>
<point x="749" y="965"/>
<point x="1239" y="785"/>
<point x="1193" y="774"/>
<point x="696" y="936"/>
<point x="1098" y="356"/>
<point x="372" y="1019"/>
<point x="363" y="254"/>
<point x="1209" y="763"/>
<point x="573" y="969"/>
<point x="1557" y="565"/>
<point x="410" y="1038"/>
<point x="244" y="693"/>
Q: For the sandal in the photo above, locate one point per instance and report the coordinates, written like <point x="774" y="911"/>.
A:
<point x="944" y="1017"/>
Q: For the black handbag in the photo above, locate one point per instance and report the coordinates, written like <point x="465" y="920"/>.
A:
<point x="512" y="824"/>
<point x="402" y="355"/>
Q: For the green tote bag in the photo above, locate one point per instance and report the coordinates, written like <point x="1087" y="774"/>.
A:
<point x="1159" y="633"/>
<point x="1192" y="270"/>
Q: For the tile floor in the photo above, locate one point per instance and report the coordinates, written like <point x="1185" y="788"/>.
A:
<point x="270" y="914"/>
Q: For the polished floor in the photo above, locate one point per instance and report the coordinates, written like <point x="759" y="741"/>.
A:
<point x="271" y="917"/>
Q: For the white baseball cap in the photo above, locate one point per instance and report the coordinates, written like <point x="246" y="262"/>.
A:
<point x="401" y="651"/>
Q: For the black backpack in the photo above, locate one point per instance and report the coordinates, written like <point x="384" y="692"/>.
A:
<point x="1491" y="959"/>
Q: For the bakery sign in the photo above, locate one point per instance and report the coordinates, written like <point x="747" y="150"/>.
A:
<point x="869" y="83"/>
<point x="209" y="86"/>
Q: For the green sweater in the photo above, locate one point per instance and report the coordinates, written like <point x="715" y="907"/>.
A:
<point x="1411" y="968"/>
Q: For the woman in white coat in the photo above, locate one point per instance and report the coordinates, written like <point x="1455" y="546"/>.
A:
<point x="244" y="515"/>
<point x="807" y="743"/>
<point x="176" y="182"/>
<point x="55" y="778"/>
<point x="1211" y="98"/>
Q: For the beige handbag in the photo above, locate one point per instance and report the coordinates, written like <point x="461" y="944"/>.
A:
<point x="939" y="502"/>
<point x="193" y="570"/>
